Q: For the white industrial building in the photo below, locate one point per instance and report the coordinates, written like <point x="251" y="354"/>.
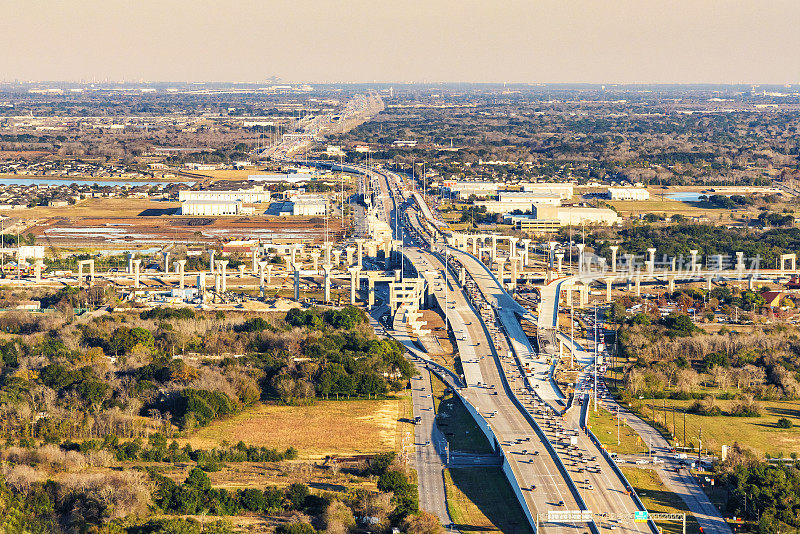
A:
<point x="211" y="207"/>
<point x="464" y="190"/>
<point x="254" y="195"/>
<point x="565" y="189"/>
<point x="509" y="201"/>
<point x="576" y="215"/>
<point x="628" y="193"/>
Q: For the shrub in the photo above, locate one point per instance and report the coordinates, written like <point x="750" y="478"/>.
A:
<point x="784" y="423"/>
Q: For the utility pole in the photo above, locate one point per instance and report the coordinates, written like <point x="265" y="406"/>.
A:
<point x="618" y="425"/>
<point x="700" y="447"/>
<point x="684" y="428"/>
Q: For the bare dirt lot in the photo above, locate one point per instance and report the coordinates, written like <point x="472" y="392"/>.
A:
<point x="137" y="222"/>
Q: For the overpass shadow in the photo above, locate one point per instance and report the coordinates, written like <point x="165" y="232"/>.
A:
<point x="481" y="500"/>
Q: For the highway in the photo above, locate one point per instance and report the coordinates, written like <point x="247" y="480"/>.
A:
<point x="503" y="371"/>
<point x="530" y="459"/>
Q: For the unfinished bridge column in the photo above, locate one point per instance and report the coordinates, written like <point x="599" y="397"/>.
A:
<point x="211" y="263"/>
<point x="614" y="249"/>
<point x="181" y="268"/>
<point x="166" y="262"/>
<point x="360" y="253"/>
<point x="526" y="244"/>
<point x="694" y="261"/>
<point x="514" y="274"/>
<point x="255" y="261"/>
<point x="296" y="270"/>
<point x="261" y="268"/>
<point x="740" y="262"/>
<point x="326" y="269"/>
<point x="608" y="282"/>
<point x="671" y="284"/>
<point x="130" y="262"/>
<point x="37" y="270"/>
<point x="494" y="247"/>
<point x="638" y="284"/>
<point x="499" y="263"/>
<point x="580" y="246"/>
<point x="560" y="260"/>
<point x="651" y="260"/>
<point x="354" y="283"/>
<point x="136" y="265"/>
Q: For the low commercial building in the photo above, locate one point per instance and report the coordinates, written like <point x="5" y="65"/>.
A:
<point x="309" y="205"/>
<point x="464" y="190"/>
<point x="254" y="195"/>
<point x="519" y="201"/>
<point x="211" y="207"/>
<point x="547" y="219"/>
<point x="564" y="190"/>
<point x="628" y="193"/>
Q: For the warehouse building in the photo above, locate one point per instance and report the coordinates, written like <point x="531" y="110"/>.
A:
<point x="519" y="201"/>
<point x="211" y="207"/>
<point x="548" y="219"/>
<point x="564" y="190"/>
<point x="254" y="195"/>
<point x="464" y="190"/>
<point x="628" y="193"/>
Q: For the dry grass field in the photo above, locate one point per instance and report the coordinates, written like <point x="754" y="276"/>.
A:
<point x="317" y="430"/>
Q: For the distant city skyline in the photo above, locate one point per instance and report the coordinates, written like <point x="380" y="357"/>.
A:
<point x="577" y="41"/>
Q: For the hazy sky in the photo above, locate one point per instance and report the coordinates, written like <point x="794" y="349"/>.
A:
<point x="617" y="41"/>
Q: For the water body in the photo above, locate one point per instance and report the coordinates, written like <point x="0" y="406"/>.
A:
<point x="43" y="180"/>
<point x="685" y="196"/>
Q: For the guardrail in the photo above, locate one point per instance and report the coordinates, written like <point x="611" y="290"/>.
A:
<point x="614" y="467"/>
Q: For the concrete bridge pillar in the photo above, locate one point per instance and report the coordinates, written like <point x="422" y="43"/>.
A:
<point x="211" y="263"/>
<point x="372" y="249"/>
<point x="337" y="258"/>
<point x="130" y="262"/>
<point x="583" y="295"/>
<point x="217" y="281"/>
<point x="255" y="261"/>
<point x="354" y="282"/>
<point x="580" y="246"/>
<point x="671" y="284"/>
<point x="708" y="283"/>
<point x="37" y="270"/>
<point x="514" y="275"/>
<point x="241" y="270"/>
<point x="526" y="244"/>
<point x="370" y="292"/>
<point x="462" y="276"/>
<point x="293" y="255"/>
<point x="181" y="268"/>
<point x="740" y="261"/>
<point x="166" y="262"/>
<point x="296" y="271"/>
<point x="629" y="259"/>
<point x="262" y="267"/>
<point x="474" y="245"/>
<point x="694" y="260"/>
<point x="201" y="283"/>
<point x="751" y="282"/>
<point x="638" y="283"/>
<point x="350" y="251"/>
<point x="136" y="265"/>
<point x="315" y="261"/>
<point x="269" y="273"/>
<point x="494" y="248"/>
<point x="672" y="264"/>
<point x="608" y="281"/>
<point x="560" y="258"/>
<point x="327" y="252"/>
<point x="551" y="258"/>
<point x="360" y="252"/>
<point x="512" y="247"/>
<point x="499" y="263"/>
<point x="614" y="249"/>
<point x="223" y="267"/>
<point x="651" y="261"/>
<point x="720" y="264"/>
<point x="326" y="270"/>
